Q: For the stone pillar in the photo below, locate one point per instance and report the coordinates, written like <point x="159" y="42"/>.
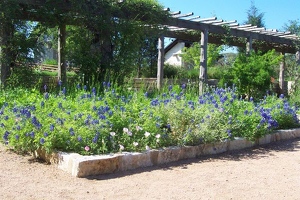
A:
<point x="62" y="67"/>
<point x="203" y="61"/>
<point x="249" y="45"/>
<point x="160" y="62"/>
<point x="281" y="75"/>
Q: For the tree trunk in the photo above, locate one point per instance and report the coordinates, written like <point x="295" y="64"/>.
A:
<point x="6" y="34"/>
<point x="62" y="66"/>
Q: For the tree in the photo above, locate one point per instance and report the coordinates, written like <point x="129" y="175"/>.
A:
<point x="252" y="74"/>
<point x="108" y="33"/>
<point x="254" y="17"/>
<point x="292" y="67"/>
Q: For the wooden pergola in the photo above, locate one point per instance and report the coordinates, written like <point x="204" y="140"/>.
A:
<point x="180" y="26"/>
<point x="193" y="28"/>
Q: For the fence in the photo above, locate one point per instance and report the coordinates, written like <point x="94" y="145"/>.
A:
<point x="151" y="83"/>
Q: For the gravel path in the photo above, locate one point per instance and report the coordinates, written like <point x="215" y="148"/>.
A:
<point x="268" y="172"/>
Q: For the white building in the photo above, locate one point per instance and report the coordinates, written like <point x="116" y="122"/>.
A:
<point x="173" y="52"/>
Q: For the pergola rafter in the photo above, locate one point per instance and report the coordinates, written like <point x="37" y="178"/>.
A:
<point x="214" y="30"/>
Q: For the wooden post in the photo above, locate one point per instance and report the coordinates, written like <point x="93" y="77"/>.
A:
<point x="203" y="61"/>
<point x="298" y="57"/>
<point x="281" y="75"/>
<point x="62" y="68"/>
<point x="160" y="62"/>
<point x="249" y="45"/>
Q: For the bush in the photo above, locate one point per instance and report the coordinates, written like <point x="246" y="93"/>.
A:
<point x="252" y="74"/>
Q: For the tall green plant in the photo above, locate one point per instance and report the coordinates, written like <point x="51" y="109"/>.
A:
<point x="252" y="74"/>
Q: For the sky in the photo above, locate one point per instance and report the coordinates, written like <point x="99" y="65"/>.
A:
<point x="276" y="12"/>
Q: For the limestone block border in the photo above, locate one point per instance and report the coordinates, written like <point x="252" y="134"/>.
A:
<point x="83" y="166"/>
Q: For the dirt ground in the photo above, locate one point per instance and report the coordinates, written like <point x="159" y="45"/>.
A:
<point x="268" y="172"/>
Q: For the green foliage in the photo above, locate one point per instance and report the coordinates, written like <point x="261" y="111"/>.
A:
<point x="113" y="119"/>
<point x="50" y="62"/>
<point x="22" y="76"/>
<point x="252" y="73"/>
<point x="218" y="72"/>
<point x="191" y="55"/>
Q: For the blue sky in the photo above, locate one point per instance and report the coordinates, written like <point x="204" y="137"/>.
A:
<point x="276" y="12"/>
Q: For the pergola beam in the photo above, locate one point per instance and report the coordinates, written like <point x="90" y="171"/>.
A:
<point x="234" y="31"/>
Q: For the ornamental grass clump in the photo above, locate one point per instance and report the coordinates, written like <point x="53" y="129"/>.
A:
<point x="90" y="122"/>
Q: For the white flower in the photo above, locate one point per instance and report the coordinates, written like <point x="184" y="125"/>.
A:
<point x="18" y="119"/>
<point x="112" y="133"/>
<point x="121" y="147"/>
<point x="135" y="144"/>
<point x="148" y="148"/>
<point x="138" y="128"/>
<point x="125" y="130"/>
<point x="157" y="136"/>
<point x="129" y="133"/>
<point x="147" y="134"/>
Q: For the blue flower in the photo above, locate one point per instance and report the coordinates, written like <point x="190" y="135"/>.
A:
<point x="32" y="134"/>
<point x="122" y="109"/>
<point x="42" y="141"/>
<point x="51" y="127"/>
<point x="59" y="82"/>
<point x="45" y="88"/>
<point x="79" y="138"/>
<point x="5" y="136"/>
<point x="64" y="91"/>
<point x="46" y="95"/>
<point x="146" y="94"/>
<point x="229" y="132"/>
<point x="94" y="91"/>
<point x="60" y="121"/>
<point x="71" y="131"/>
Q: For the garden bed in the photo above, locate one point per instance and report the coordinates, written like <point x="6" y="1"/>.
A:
<point x="83" y="166"/>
